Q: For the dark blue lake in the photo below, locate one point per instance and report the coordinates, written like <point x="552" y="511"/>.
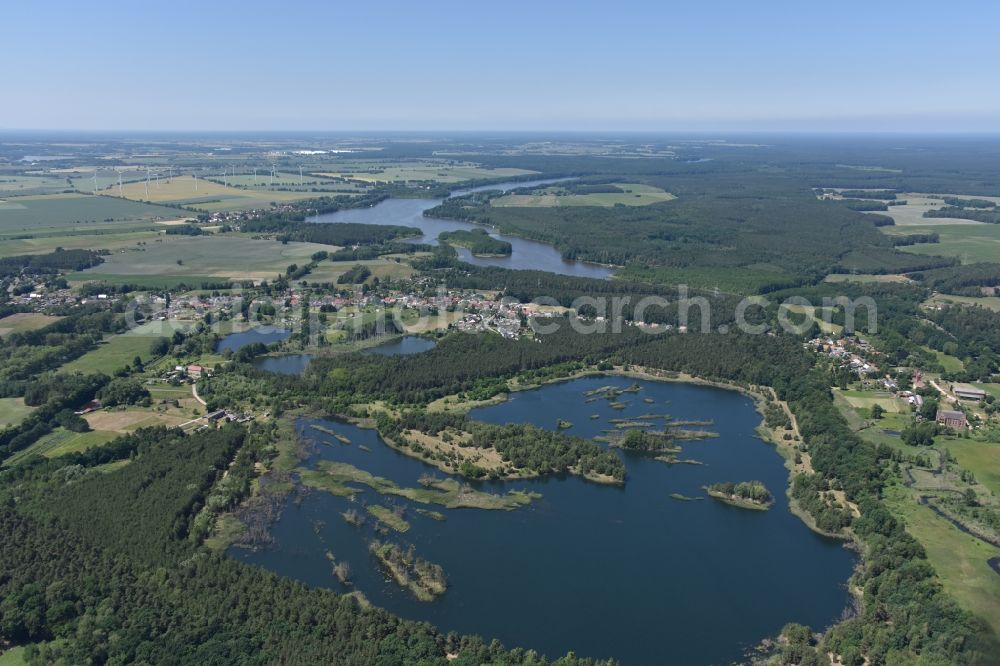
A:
<point x="263" y="334"/>
<point x="289" y="364"/>
<point x="408" y="344"/>
<point x="625" y="572"/>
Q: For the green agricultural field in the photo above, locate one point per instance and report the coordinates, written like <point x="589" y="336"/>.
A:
<point x="911" y="214"/>
<point x="980" y="458"/>
<point x="72" y="212"/>
<point x="60" y="442"/>
<point x="113" y="353"/>
<point x="988" y="302"/>
<point x="633" y="194"/>
<point x="144" y="281"/>
<point x="852" y="414"/>
<point x="25" y="321"/>
<point x="865" y="400"/>
<point x="948" y="362"/>
<point x="329" y="271"/>
<point x="217" y="257"/>
<point x="439" y="172"/>
<point x="876" y="433"/>
<point x="156" y="329"/>
<point x="971" y="243"/>
<point x="82" y="178"/>
<point x="12" y="411"/>
<point x="15" y="186"/>
<point x="204" y="194"/>
<point x="124" y="235"/>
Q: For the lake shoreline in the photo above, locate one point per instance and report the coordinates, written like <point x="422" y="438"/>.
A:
<point x="430" y="532"/>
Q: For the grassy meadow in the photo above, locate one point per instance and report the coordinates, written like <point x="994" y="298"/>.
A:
<point x="912" y="213"/>
<point x="22" y="185"/>
<point x="25" y="321"/>
<point x="988" y="302"/>
<point x="13" y="411"/>
<point x="112" y="353"/>
<point x="958" y="558"/>
<point x="60" y="442"/>
<point x="979" y="457"/>
<point x="329" y="271"/>
<point x="971" y="242"/>
<point x="203" y="257"/>
<point x="66" y="214"/>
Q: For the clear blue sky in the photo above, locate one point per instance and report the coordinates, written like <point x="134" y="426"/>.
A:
<point x="697" y="65"/>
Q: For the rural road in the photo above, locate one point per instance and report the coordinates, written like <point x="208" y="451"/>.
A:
<point x="194" y="393"/>
<point x="941" y="390"/>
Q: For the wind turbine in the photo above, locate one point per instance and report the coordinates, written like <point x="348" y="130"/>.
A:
<point x="120" y="184"/>
<point x="147" y="183"/>
<point x="225" y="177"/>
<point x="95" y="181"/>
<point x="255" y="175"/>
<point x="272" y="176"/>
<point x="300" y="175"/>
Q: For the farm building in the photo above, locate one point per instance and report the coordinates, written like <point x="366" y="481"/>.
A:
<point x="951" y="419"/>
<point x="970" y="393"/>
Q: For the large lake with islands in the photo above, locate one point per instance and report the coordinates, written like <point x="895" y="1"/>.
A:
<point x="607" y="571"/>
<point x="526" y="254"/>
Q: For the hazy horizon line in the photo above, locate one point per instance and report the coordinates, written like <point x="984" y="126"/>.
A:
<point x="515" y="132"/>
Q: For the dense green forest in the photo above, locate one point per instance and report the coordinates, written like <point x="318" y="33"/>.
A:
<point x="477" y="241"/>
<point x="885" y="195"/>
<point x="969" y="203"/>
<point x="740" y="232"/>
<point x="964" y="280"/>
<point x="345" y="233"/>
<point x="524" y="446"/>
<point x="53" y="262"/>
<point x="978" y="215"/>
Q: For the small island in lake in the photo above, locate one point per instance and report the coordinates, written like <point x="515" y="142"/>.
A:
<point x="645" y="441"/>
<point x="745" y="495"/>
<point x="424" y="579"/>
<point x="478" y="242"/>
